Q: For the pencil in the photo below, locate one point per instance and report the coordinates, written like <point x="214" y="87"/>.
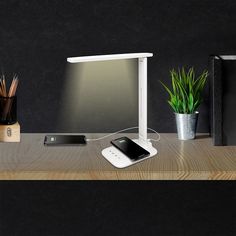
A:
<point x="11" y="93"/>
<point x="1" y="91"/>
<point x="1" y="85"/>
<point x="4" y="85"/>
<point x="15" y="84"/>
<point x="13" y="87"/>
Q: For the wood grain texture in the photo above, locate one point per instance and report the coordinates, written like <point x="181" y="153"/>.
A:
<point x="177" y="160"/>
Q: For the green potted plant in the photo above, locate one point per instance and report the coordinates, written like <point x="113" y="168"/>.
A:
<point x="185" y="98"/>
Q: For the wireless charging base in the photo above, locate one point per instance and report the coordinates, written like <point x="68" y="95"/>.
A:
<point x="120" y="160"/>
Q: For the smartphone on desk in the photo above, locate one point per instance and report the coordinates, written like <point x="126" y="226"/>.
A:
<point x="58" y="140"/>
<point x="130" y="148"/>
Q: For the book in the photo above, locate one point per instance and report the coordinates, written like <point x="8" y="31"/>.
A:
<point x="222" y="70"/>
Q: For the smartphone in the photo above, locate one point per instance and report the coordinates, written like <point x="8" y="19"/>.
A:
<point x="53" y="140"/>
<point x="130" y="148"/>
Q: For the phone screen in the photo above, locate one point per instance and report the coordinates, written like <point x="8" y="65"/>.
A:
<point x="130" y="148"/>
<point x="65" y="140"/>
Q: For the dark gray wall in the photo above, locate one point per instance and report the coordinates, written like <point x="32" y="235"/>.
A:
<point x="36" y="37"/>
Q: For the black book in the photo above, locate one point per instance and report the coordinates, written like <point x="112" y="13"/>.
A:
<point x="223" y="99"/>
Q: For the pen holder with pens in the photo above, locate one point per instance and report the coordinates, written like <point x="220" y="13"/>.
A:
<point x="9" y="127"/>
<point x="8" y="110"/>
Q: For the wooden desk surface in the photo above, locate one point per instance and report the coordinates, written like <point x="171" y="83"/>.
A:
<point x="177" y="160"/>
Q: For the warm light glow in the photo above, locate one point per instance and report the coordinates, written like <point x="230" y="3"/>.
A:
<point x="100" y="96"/>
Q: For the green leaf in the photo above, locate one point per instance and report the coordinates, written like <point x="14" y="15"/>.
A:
<point x="190" y="103"/>
<point x="173" y="83"/>
<point x="167" y="89"/>
<point x="172" y="105"/>
<point x="186" y="94"/>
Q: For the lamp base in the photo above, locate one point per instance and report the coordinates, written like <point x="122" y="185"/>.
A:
<point x="120" y="160"/>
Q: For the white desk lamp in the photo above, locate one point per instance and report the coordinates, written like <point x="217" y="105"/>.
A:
<point x="112" y="154"/>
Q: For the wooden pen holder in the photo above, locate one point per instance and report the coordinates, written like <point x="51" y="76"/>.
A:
<point x="10" y="133"/>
